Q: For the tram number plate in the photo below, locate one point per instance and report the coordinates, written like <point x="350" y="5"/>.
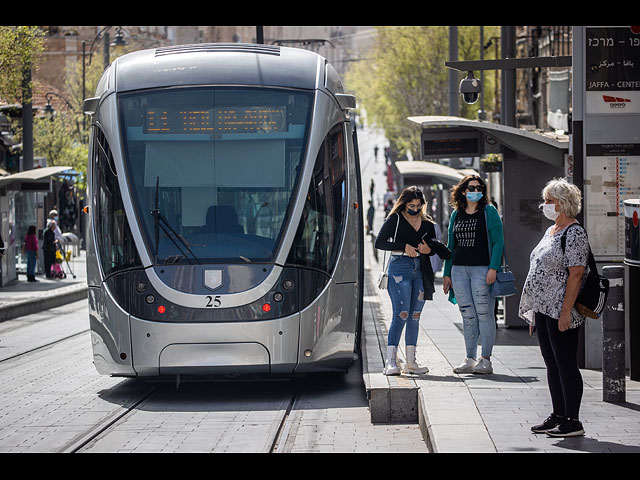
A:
<point x="213" y="302"/>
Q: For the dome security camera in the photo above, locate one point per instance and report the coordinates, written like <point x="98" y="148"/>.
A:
<point x="470" y="88"/>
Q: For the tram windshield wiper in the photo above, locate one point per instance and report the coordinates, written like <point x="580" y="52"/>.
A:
<point x="162" y="223"/>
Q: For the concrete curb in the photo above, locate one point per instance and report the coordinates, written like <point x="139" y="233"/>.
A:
<point x="392" y="399"/>
<point x="56" y="298"/>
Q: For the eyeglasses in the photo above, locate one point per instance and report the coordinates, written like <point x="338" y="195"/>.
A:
<point x="475" y="188"/>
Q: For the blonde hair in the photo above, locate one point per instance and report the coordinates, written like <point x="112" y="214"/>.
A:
<point x="567" y="194"/>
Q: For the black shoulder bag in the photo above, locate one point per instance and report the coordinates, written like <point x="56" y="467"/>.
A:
<point x="593" y="296"/>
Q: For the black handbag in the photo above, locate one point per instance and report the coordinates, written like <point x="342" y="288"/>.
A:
<point x="593" y="296"/>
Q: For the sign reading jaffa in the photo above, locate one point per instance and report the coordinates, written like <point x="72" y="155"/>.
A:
<point x="612" y="69"/>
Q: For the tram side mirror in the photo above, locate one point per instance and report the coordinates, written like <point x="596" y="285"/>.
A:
<point x="346" y="101"/>
<point x="90" y="105"/>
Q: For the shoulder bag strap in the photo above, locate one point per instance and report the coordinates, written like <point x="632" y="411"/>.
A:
<point x="563" y="240"/>
<point x="504" y="255"/>
<point x="394" y="240"/>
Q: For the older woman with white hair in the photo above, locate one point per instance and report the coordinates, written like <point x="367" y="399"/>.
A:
<point x="556" y="275"/>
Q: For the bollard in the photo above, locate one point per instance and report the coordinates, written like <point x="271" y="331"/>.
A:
<point x="613" y="355"/>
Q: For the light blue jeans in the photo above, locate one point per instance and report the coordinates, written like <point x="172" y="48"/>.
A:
<point x="406" y="291"/>
<point x="476" y="307"/>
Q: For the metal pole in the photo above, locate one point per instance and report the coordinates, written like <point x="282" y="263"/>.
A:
<point x="508" y="101"/>
<point x="613" y="354"/>
<point x="27" y="119"/>
<point x="106" y="58"/>
<point x="84" y="82"/>
<point x="260" y="34"/>
<point x="481" y="114"/>
<point x="454" y="95"/>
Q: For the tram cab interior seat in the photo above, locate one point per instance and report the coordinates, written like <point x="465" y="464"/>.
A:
<point x="222" y="219"/>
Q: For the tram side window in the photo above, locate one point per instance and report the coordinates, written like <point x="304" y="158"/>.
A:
<point x="318" y="237"/>
<point x="115" y="245"/>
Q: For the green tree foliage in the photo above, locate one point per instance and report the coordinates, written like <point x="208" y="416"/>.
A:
<point x="404" y="75"/>
<point x="20" y="48"/>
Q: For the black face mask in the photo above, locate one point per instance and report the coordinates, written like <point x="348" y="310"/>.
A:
<point x="412" y="212"/>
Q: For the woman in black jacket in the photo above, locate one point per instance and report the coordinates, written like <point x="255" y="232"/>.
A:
<point x="406" y="233"/>
<point x="49" y="247"/>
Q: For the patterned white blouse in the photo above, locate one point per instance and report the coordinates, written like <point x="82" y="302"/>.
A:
<point x="546" y="283"/>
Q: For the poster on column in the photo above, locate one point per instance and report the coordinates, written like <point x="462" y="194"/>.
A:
<point x="612" y="76"/>
<point x="612" y="175"/>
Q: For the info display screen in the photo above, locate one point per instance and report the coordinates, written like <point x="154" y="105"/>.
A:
<point x="227" y="120"/>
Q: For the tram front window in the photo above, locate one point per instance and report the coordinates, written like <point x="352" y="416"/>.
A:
<point x="213" y="170"/>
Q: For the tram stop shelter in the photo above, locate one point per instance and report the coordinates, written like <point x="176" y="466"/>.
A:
<point x="22" y="204"/>
<point x="529" y="160"/>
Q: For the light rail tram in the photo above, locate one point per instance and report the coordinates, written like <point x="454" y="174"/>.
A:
<point x="226" y="227"/>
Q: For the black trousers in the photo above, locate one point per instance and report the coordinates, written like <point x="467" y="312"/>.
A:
<point x="49" y="258"/>
<point x="560" y="354"/>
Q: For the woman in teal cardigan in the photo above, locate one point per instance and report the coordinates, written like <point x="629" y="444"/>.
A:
<point x="476" y="241"/>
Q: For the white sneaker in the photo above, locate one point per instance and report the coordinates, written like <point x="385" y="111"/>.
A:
<point x="483" y="366"/>
<point x="466" y="366"/>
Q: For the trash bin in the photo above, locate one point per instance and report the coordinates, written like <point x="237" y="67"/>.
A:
<point x="632" y="259"/>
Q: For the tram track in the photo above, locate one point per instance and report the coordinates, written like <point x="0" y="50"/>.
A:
<point x="42" y="347"/>
<point x="280" y="438"/>
<point x="99" y="429"/>
<point x="277" y="444"/>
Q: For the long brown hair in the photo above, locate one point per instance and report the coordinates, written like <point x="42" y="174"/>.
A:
<point x="407" y="195"/>
<point x="458" y="199"/>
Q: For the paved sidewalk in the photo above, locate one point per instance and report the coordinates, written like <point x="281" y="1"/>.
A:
<point x="23" y="298"/>
<point x="494" y="413"/>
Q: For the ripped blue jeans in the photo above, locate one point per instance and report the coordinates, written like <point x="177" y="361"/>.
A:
<point x="406" y="291"/>
<point x="476" y="307"/>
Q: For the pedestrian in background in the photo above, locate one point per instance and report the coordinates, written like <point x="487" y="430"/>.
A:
<point x="547" y="302"/>
<point x="370" y="214"/>
<point x="49" y="247"/>
<point x="476" y="240"/>
<point x="31" y="251"/>
<point x="405" y="233"/>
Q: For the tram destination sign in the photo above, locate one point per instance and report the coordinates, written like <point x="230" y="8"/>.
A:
<point x="450" y="143"/>
<point x="260" y="119"/>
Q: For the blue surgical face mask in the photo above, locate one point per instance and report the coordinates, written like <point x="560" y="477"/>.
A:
<point x="474" y="196"/>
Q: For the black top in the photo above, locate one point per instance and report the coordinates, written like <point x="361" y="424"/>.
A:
<point x="49" y="237"/>
<point x="406" y="234"/>
<point x="471" y="242"/>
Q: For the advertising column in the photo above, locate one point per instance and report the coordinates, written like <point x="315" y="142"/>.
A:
<point x="609" y="70"/>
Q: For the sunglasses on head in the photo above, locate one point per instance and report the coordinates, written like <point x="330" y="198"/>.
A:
<point x="475" y="188"/>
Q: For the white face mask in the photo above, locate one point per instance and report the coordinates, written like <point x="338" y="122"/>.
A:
<point x="549" y="210"/>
